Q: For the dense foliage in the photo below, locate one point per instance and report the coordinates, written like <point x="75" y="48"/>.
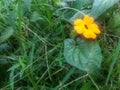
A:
<point x="36" y="54"/>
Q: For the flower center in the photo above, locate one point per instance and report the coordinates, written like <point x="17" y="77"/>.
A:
<point x="86" y="26"/>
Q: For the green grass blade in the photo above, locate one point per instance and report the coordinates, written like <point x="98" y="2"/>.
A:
<point x="114" y="60"/>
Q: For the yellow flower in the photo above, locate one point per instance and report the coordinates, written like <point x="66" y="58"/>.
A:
<point x="86" y="27"/>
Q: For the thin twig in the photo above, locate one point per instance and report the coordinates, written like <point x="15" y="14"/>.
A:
<point x="73" y="81"/>
<point x="47" y="62"/>
<point x="94" y="82"/>
<point x="55" y="72"/>
<point x="72" y="9"/>
<point x="110" y="35"/>
<point x="38" y="36"/>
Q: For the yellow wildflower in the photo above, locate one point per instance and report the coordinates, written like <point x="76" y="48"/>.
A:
<point x="86" y="27"/>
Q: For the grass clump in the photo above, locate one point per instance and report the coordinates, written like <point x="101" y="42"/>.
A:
<point x="32" y="33"/>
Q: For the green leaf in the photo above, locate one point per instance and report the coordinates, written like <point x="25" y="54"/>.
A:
<point x="27" y="4"/>
<point x="78" y="14"/>
<point x="100" y="6"/>
<point x="81" y="3"/>
<point x="35" y="16"/>
<point x="114" y="24"/>
<point x="6" y="34"/>
<point x="84" y="55"/>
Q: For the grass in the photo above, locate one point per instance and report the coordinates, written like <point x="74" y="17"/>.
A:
<point x="32" y="57"/>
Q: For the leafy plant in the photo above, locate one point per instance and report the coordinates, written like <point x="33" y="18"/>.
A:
<point x="86" y="56"/>
<point x="83" y="54"/>
<point x="42" y="49"/>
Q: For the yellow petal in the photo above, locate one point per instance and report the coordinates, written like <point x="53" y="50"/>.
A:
<point x="89" y="34"/>
<point x="96" y="31"/>
<point x="79" y="29"/>
<point x="88" y="20"/>
<point x="78" y="22"/>
<point x="94" y="28"/>
<point x="86" y="34"/>
<point x="92" y="35"/>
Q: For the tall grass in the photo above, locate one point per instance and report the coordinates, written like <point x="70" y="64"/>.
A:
<point x="32" y="57"/>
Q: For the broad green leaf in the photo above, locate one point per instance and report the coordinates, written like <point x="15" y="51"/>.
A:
<point x="84" y="55"/>
<point x="79" y="4"/>
<point x="100" y="6"/>
<point x="78" y="14"/>
<point x="6" y="34"/>
<point x="114" y="24"/>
